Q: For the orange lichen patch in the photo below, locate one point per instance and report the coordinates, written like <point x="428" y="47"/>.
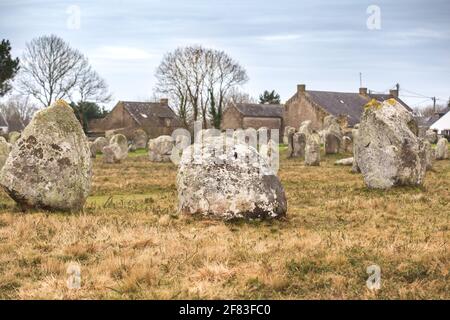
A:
<point x="391" y="101"/>
<point x="372" y="104"/>
<point x="62" y="103"/>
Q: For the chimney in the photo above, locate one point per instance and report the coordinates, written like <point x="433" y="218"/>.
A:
<point x="363" y="91"/>
<point x="301" y="88"/>
<point x="164" y="102"/>
<point x="393" y="93"/>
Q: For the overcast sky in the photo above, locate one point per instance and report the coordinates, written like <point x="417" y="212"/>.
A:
<point x="324" y="44"/>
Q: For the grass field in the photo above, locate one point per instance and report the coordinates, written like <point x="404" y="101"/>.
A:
<point x="130" y="243"/>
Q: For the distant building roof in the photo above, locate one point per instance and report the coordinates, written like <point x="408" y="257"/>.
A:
<point x="442" y="124"/>
<point x="260" y="110"/>
<point x="143" y="111"/>
<point x="348" y="104"/>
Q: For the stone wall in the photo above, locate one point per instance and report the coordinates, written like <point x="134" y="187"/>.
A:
<point x="231" y="119"/>
<point x="299" y="108"/>
<point x="121" y="121"/>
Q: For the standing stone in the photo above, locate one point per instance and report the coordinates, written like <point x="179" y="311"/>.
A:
<point x="287" y="132"/>
<point x="13" y="136"/>
<point x="355" y="135"/>
<point x="332" y="143"/>
<point x="50" y="165"/>
<point x="429" y="155"/>
<point x="305" y="127"/>
<point x="290" y="139"/>
<point x="332" y="135"/>
<point x="442" y="149"/>
<point x="312" y="150"/>
<point x="109" y="134"/>
<point x="98" y="145"/>
<point x="431" y="136"/>
<point x="5" y="149"/>
<point x="298" y="144"/>
<point x="238" y="183"/>
<point x="140" y="139"/>
<point x="122" y="143"/>
<point x="347" y="144"/>
<point x="160" y="149"/>
<point x="112" y="153"/>
<point x="389" y="152"/>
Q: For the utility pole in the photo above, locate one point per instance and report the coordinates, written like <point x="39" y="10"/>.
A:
<point x="397" y="86"/>
<point x="360" y="79"/>
<point x="434" y="104"/>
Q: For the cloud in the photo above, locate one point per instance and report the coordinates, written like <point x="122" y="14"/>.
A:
<point x="280" y="37"/>
<point x="121" y="53"/>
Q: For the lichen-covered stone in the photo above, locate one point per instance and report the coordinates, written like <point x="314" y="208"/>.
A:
<point x="431" y="136"/>
<point x="298" y="144"/>
<point x="388" y="151"/>
<point x="429" y="155"/>
<point x="312" y="150"/>
<point x="442" y="149"/>
<point x="98" y="145"/>
<point x="112" y="153"/>
<point x="233" y="181"/>
<point x="5" y="149"/>
<point x="160" y="149"/>
<point x="288" y="132"/>
<point x="355" y="135"/>
<point x="122" y="143"/>
<point x="332" y="135"/>
<point x="347" y="144"/>
<point x="140" y="139"/>
<point x="305" y="127"/>
<point x="50" y="165"/>
<point x="13" y="136"/>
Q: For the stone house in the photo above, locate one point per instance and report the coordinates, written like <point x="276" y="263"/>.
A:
<point x="155" y="118"/>
<point x="442" y="124"/>
<point x="251" y="115"/>
<point x="347" y="107"/>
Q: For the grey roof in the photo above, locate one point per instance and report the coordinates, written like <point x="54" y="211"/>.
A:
<point x="382" y="97"/>
<point x="428" y="121"/>
<point x="144" y="111"/>
<point x="260" y="110"/>
<point x="346" y="103"/>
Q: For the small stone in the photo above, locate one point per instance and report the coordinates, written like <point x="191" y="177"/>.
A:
<point x="160" y="149"/>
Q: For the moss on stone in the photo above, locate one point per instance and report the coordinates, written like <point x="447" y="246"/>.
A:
<point x="372" y="104"/>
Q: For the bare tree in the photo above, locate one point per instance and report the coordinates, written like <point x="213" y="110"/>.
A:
<point x="19" y="108"/>
<point x="225" y="74"/>
<point x="199" y="79"/>
<point x="52" y="70"/>
<point x="237" y="96"/>
<point x="91" y="87"/>
<point x="428" y="111"/>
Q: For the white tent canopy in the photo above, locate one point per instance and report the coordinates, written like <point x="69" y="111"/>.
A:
<point x="443" y="124"/>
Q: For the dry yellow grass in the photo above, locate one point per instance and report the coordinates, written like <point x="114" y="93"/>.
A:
<point x="130" y="243"/>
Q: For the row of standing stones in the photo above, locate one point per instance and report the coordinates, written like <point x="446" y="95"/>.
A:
<point x="386" y="147"/>
<point x="50" y="164"/>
